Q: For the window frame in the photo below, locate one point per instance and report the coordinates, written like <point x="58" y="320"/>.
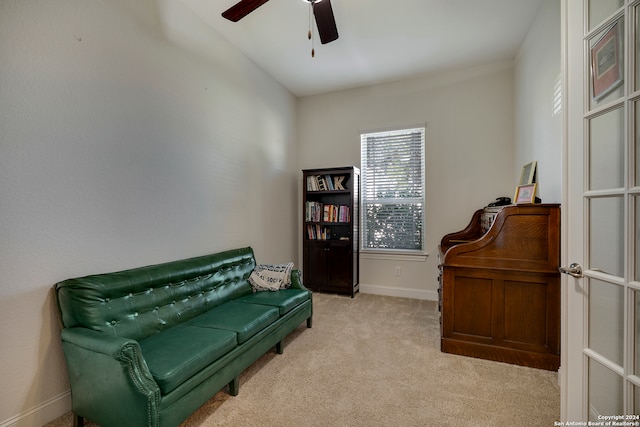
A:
<point x="363" y="212"/>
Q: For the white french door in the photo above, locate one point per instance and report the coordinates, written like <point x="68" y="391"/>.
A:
<point x="601" y="210"/>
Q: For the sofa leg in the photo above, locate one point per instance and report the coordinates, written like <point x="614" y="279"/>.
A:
<point x="279" y="349"/>
<point x="309" y="322"/>
<point x="78" y="421"/>
<point x="234" y="386"/>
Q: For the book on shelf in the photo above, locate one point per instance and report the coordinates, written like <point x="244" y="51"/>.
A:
<point x="319" y="212"/>
<point x="313" y="211"/>
<point x="344" y="214"/>
<point x="329" y="182"/>
<point x="322" y="184"/>
<point x="325" y="182"/>
<point x="312" y="183"/>
<point x="327" y="213"/>
<point x="316" y="232"/>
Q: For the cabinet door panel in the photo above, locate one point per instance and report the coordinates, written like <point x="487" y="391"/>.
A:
<point x="315" y="266"/>
<point x="339" y="267"/>
<point x="472" y="307"/>
<point x="525" y="303"/>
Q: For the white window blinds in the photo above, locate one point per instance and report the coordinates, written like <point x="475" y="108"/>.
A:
<point x="392" y="172"/>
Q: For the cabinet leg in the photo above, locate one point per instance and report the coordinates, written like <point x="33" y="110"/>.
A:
<point x="309" y="322"/>
<point x="279" y="349"/>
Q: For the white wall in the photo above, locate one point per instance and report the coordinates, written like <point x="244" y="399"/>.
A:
<point x="130" y="134"/>
<point x="538" y="119"/>
<point x="483" y="125"/>
<point x="469" y="153"/>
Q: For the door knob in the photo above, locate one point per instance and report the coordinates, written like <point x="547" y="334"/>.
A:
<point x="574" y="270"/>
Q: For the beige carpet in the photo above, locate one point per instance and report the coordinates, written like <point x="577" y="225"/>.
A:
<point x="376" y="361"/>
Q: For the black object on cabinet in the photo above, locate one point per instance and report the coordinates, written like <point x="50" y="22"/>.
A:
<point x="330" y="229"/>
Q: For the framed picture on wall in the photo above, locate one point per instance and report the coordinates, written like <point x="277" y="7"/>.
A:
<point x="606" y="63"/>
<point x="525" y="194"/>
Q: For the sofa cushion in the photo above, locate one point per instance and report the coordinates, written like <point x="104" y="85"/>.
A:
<point x="284" y="299"/>
<point x="176" y="354"/>
<point x="244" y="319"/>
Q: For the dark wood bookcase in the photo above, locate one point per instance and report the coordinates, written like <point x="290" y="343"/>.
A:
<point x="330" y="229"/>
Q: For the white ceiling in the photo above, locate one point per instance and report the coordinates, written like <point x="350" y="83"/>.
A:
<point x="380" y="40"/>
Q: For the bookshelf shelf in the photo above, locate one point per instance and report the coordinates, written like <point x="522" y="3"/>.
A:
<point x="330" y="229"/>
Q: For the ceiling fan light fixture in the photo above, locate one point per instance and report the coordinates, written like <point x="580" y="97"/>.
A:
<point x="320" y="9"/>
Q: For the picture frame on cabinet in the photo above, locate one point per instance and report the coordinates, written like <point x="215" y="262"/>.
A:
<point x="525" y="194"/>
<point x="528" y="174"/>
<point x="606" y="63"/>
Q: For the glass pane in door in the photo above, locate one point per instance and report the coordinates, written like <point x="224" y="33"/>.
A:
<point x="636" y="367"/>
<point x="606" y="320"/>
<point x="602" y="9"/>
<point x="637" y="44"/>
<point x="637" y="141"/>
<point x="606" y="61"/>
<point x="606" y="235"/>
<point x="636" y="241"/>
<point x="605" y="391"/>
<point x="606" y="154"/>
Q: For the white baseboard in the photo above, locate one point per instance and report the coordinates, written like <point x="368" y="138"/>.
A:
<point x="399" y="292"/>
<point x="47" y="411"/>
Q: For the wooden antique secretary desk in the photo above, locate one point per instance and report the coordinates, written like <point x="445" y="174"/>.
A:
<point x="499" y="286"/>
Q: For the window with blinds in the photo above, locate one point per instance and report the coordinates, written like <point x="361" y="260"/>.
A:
<point x="392" y="174"/>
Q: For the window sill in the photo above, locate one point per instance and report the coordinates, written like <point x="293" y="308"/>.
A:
<point x="394" y="256"/>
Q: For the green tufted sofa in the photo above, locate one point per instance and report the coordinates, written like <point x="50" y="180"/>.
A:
<point x="148" y="346"/>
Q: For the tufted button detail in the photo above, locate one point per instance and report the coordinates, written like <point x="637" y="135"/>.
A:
<point x="113" y="322"/>
<point x="135" y="314"/>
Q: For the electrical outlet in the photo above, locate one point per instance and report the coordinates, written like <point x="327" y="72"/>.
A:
<point x="397" y="271"/>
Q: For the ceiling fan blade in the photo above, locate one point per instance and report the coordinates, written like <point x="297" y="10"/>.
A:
<point x="242" y="9"/>
<point x="325" y="21"/>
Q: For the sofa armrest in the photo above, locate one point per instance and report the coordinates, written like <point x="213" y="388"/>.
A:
<point x="108" y="372"/>
<point x="296" y="280"/>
